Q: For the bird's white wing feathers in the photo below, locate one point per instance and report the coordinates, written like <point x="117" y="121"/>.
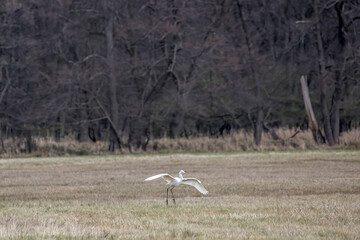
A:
<point x="168" y="178"/>
<point x="195" y="183"/>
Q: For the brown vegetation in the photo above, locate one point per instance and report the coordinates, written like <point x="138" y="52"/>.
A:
<point x="288" y="195"/>
<point x="288" y="139"/>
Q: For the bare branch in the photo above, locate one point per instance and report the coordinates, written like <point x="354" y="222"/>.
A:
<point x="7" y="84"/>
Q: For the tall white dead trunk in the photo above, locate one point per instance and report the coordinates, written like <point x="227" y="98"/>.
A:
<point x="309" y="110"/>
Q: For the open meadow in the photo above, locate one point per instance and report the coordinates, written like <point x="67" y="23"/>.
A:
<point x="258" y="195"/>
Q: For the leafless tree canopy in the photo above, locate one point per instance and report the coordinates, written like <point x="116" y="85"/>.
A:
<point x="134" y="70"/>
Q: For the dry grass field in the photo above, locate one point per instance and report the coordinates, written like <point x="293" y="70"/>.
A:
<point x="269" y="195"/>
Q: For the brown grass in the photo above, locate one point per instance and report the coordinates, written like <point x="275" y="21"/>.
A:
<point x="288" y="195"/>
<point x="234" y="142"/>
<point x="243" y="141"/>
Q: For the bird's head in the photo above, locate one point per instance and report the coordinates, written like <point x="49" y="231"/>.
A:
<point x="180" y="174"/>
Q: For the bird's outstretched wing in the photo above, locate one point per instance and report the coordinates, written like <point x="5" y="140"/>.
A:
<point x="195" y="183"/>
<point x="168" y="178"/>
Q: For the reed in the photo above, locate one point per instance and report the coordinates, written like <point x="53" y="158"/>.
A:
<point x="289" y="139"/>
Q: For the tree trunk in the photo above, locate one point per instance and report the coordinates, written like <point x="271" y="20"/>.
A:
<point x="61" y="123"/>
<point x="336" y="105"/>
<point x="113" y="83"/>
<point x="83" y="130"/>
<point x="325" y="112"/>
<point x="7" y="84"/>
<point x="114" y="129"/>
<point x="114" y="105"/>
<point x="335" y="122"/>
<point x="323" y="81"/>
<point x="258" y="125"/>
<point x="339" y="76"/>
<point x="30" y="144"/>
<point x="309" y="111"/>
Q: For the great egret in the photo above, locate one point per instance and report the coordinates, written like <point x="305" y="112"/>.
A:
<point x="176" y="181"/>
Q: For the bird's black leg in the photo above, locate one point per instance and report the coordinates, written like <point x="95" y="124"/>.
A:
<point x="172" y="194"/>
<point x="167" y="195"/>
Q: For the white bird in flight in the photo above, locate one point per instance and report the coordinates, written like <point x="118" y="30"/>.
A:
<point x="176" y="181"/>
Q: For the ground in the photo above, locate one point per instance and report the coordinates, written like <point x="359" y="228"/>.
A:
<point x="266" y="195"/>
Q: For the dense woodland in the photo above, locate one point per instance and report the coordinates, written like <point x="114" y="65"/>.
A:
<point x="130" y="71"/>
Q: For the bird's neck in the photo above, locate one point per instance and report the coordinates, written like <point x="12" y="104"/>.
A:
<point x="180" y="175"/>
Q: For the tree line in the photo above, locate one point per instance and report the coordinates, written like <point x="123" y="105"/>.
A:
<point x="128" y="71"/>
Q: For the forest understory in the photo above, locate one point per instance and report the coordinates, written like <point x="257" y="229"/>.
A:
<point x="287" y="140"/>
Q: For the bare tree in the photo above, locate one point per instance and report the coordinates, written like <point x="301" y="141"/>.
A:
<point x="131" y="71"/>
